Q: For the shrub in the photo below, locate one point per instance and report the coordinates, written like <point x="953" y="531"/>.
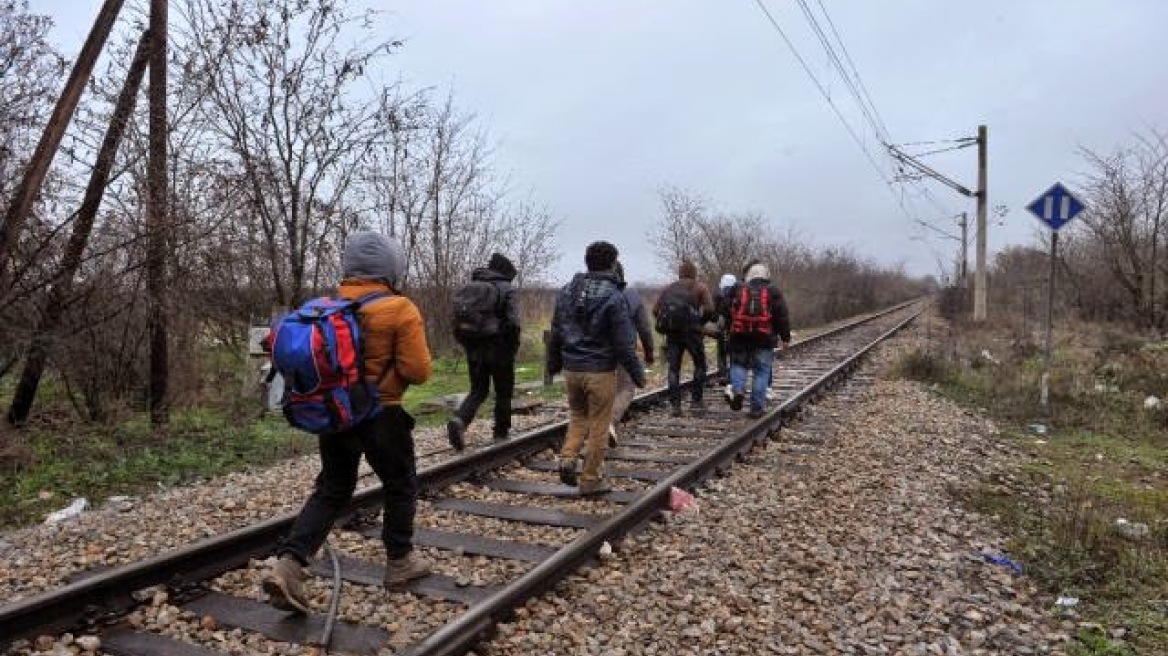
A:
<point x="922" y="367"/>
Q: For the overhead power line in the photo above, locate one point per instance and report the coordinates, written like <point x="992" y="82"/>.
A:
<point x="826" y="95"/>
<point x="855" y="70"/>
<point x="850" y="77"/>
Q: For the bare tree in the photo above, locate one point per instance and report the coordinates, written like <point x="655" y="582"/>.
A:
<point x="281" y="78"/>
<point x="1127" y="199"/>
<point x="821" y="284"/>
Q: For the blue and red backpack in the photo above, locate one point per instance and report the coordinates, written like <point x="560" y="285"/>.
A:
<point x="319" y="350"/>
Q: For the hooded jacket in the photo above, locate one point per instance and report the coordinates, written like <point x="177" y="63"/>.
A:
<point x="591" y="328"/>
<point x="697" y="293"/>
<point x="506" y="343"/>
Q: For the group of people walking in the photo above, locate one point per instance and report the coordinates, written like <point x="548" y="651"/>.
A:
<point x="597" y="324"/>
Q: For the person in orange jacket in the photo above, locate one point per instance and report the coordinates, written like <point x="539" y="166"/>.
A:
<point x="395" y="337"/>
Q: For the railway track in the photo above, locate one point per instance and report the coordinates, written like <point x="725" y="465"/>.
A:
<point x="502" y="527"/>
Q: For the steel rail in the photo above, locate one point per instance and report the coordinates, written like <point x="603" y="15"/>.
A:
<point x="111" y="592"/>
<point x="460" y="636"/>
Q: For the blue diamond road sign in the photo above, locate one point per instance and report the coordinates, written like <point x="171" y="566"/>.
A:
<point x="1056" y="207"/>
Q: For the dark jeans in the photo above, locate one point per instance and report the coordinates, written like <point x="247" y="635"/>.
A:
<point x="675" y="346"/>
<point x="388" y="445"/>
<point x="500" y="370"/>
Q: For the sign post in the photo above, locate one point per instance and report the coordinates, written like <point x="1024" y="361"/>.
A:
<point x="1055" y="208"/>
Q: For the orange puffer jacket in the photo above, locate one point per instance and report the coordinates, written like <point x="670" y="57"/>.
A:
<point x="394" y="333"/>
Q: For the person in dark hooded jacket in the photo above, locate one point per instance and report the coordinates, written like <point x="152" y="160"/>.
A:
<point x="491" y="358"/>
<point x="692" y="295"/>
<point x="592" y="335"/>
<point x="625" y="390"/>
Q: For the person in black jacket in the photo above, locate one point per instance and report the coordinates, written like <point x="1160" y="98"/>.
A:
<point x="491" y="358"/>
<point x="753" y="333"/>
<point x="625" y="390"/>
<point x="592" y="335"/>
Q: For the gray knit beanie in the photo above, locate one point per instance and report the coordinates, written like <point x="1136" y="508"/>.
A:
<point x="371" y="254"/>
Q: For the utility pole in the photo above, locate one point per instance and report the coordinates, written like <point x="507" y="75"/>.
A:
<point x="46" y="148"/>
<point x="979" y="281"/>
<point x="157" y="219"/>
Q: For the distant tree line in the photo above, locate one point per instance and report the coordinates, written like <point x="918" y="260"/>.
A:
<point x="283" y="138"/>
<point x="821" y="283"/>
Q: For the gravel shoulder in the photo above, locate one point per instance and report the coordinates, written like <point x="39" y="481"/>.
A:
<point x="841" y="538"/>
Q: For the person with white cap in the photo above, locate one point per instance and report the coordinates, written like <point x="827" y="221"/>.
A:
<point x="758" y="322"/>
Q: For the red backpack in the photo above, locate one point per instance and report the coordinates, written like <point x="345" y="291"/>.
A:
<point x="750" y="311"/>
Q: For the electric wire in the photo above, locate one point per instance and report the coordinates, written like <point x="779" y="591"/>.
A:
<point x="326" y="635"/>
<point x="871" y="115"/>
<point x="945" y="150"/>
<point x="970" y="140"/>
<point x="852" y="63"/>
<point x="827" y="96"/>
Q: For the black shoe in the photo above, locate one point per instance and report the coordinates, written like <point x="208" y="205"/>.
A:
<point x="736" y="401"/>
<point x="697" y="408"/>
<point x="755" y="413"/>
<point x="568" y="471"/>
<point x="502" y="437"/>
<point x="675" y="411"/>
<point x="455" y="430"/>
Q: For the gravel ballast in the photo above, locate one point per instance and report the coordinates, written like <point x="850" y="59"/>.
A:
<point x="840" y="538"/>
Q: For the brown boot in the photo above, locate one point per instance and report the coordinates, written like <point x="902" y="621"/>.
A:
<point x="400" y="571"/>
<point x="285" y="586"/>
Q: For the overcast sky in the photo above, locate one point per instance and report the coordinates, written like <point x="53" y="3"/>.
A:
<point x="595" y="104"/>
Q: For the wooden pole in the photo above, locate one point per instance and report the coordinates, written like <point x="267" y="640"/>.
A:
<point x="46" y="149"/>
<point x="62" y="286"/>
<point x="157" y="219"/>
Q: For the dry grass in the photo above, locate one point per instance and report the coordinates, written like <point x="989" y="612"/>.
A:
<point x="1103" y="458"/>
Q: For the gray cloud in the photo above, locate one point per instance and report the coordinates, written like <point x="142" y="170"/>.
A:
<point x="595" y="104"/>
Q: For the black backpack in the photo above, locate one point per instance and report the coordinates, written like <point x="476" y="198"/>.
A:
<point x="676" y="312"/>
<point x="476" y="310"/>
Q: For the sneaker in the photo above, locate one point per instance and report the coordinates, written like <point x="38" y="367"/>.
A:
<point x="285" y="586"/>
<point x="736" y="401"/>
<point x="755" y="413"/>
<point x="568" y="471"/>
<point x="455" y="429"/>
<point x="400" y="571"/>
<point x="502" y="437"/>
<point x="612" y="441"/>
<point x="590" y="488"/>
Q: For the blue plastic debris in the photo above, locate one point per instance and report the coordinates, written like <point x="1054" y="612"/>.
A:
<point x="999" y="559"/>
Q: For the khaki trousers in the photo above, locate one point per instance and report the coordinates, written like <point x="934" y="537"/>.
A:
<point x="590" y="396"/>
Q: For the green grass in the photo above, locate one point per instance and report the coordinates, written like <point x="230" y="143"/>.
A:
<point x="95" y="462"/>
<point x="450" y="377"/>
<point x="1104" y="457"/>
<point x="59" y="457"/>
